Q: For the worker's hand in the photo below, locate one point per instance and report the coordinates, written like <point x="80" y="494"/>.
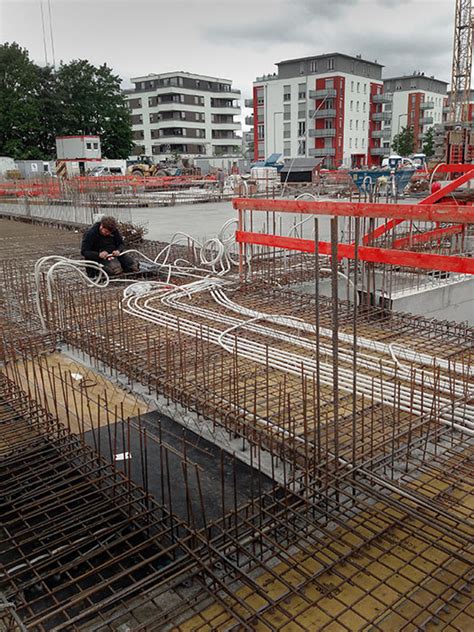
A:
<point x="103" y="255"/>
<point x="116" y="253"/>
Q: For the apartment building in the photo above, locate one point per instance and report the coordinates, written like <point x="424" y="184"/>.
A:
<point x="193" y="115"/>
<point x="328" y="106"/>
<point x="414" y="101"/>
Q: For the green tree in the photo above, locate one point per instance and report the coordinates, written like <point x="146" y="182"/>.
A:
<point x="404" y="142"/>
<point x="428" y="144"/>
<point x="20" y="107"/>
<point x="91" y="102"/>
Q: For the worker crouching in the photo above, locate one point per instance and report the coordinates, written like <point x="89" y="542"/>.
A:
<point x="104" y="244"/>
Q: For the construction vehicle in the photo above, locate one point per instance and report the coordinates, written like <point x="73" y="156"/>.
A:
<point x="145" y="167"/>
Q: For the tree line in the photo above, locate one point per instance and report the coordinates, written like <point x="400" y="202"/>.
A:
<point x="38" y="103"/>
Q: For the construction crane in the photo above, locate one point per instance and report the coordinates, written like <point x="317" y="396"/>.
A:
<point x="462" y="63"/>
<point x="458" y="137"/>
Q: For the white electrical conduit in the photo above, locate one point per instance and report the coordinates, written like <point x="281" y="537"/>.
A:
<point x="365" y="360"/>
<point x="411" y="401"/>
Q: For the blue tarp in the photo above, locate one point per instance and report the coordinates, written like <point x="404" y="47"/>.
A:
<point x="402" y="177"/>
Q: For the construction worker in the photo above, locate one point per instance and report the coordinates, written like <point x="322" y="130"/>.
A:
<point x="103" y="243"/>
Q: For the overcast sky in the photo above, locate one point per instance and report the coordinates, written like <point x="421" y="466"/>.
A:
<point x="235" y="39"/>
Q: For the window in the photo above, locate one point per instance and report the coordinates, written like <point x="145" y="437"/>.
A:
<point x="313" y="66"/>
<point x="331" y="63"/>
<point x="329" y="83"/>
<point x="363" y="125"/>
<point x="96" y="145"/>
<point x="365" y="88"/>
<point x="287" y="130"/>
<point x="357" y="106"/>
<point x="260" y="101"/>
<point x="302" y="91"/>
<point x="350" y="143"/>
<point x="355" y="142"/>
<point x="286" y="149"/>
<point x="302" y="148"/>
<point x="357" y="124"/>
<point x="260" y="132"/>
<point x="301" y="128"/>
<point x="286" y="93"/>
<point x="363" y="142"/>
<point x="352" y="106"/>
<point x="88" y="145"/>
<point x="363" y="106"/>
<point x="352" y="86"/>
<point x="350" y="124"/>
<point x="358" y="86"/>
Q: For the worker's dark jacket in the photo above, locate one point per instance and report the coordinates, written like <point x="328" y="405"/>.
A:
<point x="93" y="243"/>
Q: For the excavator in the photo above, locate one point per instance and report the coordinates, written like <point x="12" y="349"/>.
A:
<point x="145" y="167"/>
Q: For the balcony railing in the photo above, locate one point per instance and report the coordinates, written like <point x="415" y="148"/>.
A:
<point x="382" y="116"/>
<point x="426" y="105"/>
<point x="323" y="93"/>
<point x="322" y="133"/>
<point x="378" y="151"/>
<point x="325" y="151"/>
<point x="248" y="103"/>
<point x="382" y="98"/>
<point x="426" y="120"/>
<point x="249" y="120"/>
<point x="381" y="133"/>
<point x="327" y="113"/>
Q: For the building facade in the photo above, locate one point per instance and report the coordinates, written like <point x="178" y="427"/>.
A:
<point x="327" y="106"/>
<point x="188" y="114"/>
<point x="415" y="101"/>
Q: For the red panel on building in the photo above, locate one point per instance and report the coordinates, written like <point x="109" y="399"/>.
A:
<point x="374" y="125"/>
<point x="414" y="100"/>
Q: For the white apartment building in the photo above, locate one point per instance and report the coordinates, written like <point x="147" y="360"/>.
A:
<point x="414" y="101"/>
<point x="327" y="106"/>
<point x="193" y="115"/>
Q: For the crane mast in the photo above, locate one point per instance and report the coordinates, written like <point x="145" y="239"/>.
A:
<point x="462" y="64"/>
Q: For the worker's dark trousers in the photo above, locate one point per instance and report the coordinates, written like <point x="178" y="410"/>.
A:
<point x="125" y="263"/>
<point x="114" y="266"/>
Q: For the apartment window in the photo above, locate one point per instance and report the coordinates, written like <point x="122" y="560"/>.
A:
<point x="286" y="149"/>
<point x="352" y="106"/>
<point x="287" y="130"/>
<point x="331" y="63"/>
<point x="350" y="143"/>
<point x="88" y="145"/>
<point x="302" y="148"/>
<point x="363" y="125"/>
<point x="350" y="124"/>
<point x="329" y="83"/>
<point x="260" y="132"/>
<point x="301" y="128"/>
<point x="357" y="106"/>
<point x="313" y="66"/>
<point x="358" y="87"/>
<point x="286" y="93"/>
<point x="355" y="142"/>
<point x="286" y="112"/>
<point x="302" y="91"/>
<point x="357" y="124"/>
<point x="260" y="101"/>
<point x="328" y="124"/>
<point x="363" y="143"/>
<point x="365" y="88"/>
<point x="96" y="145"/>
<point x="363" y="106"/>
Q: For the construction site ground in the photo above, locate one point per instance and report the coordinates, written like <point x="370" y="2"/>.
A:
<point x="315" y="507"/>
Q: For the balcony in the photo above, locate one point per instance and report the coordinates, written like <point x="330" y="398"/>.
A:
<point x="321" y="152"/>
<point x="382" y="98"/>
<point x="382" y="116"/>
<point x="328" y="113"/>
<point x="322" y="133"/>
<point x="426" y="120"/>
<point x="378" y="151"/>
<point x="248" y="103"/>
<point x="446" y="109"/>
<point x="382" y="133"/>
<point x="322" y="94"/>
<point x="249" y="120"/>
<point x="426" y="105"/>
